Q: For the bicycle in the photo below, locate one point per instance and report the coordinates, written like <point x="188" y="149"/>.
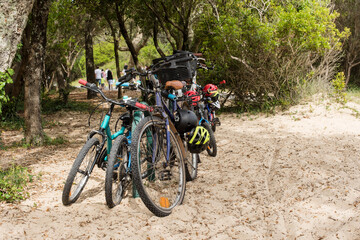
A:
<point x="94" y="151"/>
<point x="118" y="172"/>
<point x="157" y="151"/>
<point x="196" y="104"/>
<point x="199" y="104"/>
<point x="211" y="100"/>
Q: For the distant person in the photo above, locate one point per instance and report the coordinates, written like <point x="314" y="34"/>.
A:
<point x="109" y="78"/>
<point x="102" y="79"/>
<point x="103" y="75"/>
<point x="102" y="83"/>
<point x="98" y="75"/>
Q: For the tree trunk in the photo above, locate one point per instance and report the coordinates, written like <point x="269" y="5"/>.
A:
<point x="155" y="39"/>
<point x="185" y="44"/>
<point x="62" y="85"/>
<point x="14" y="89"/>
<point x="116" y="48"/>
<point x="34" y="73"/>
<point x="118" y="72"/>
<point x="13" y="20"/>
<point x="125" y="34"/>
<point x="90" y="66"/>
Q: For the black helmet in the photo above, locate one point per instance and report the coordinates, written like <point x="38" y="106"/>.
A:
<point x="185" y="120"/>
<point x="198" y="140"/>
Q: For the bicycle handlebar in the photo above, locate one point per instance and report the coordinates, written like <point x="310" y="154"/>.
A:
<point x="131" y="102"/>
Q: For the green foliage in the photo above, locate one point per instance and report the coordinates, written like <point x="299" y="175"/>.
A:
<point x="339" y="85"/>
<point x="48" y="141"/>
<point x="267" y="52"/>
<point x="5" y="78"/>
<point x="13" y="183"/>
<point x="49" y="106"/>
<point x="104" y="57"/>
<point x="149" y="52"/>
<point x="353" y="93"/>
<point x="9" y="117"/>
<point x="65" y="38"/>
<point x="350" y="18"/>
<point x="15" y="123"/>
<point x="103" y="53"/>
<point x="54" y="141"/>
<point x="17" y="57"/>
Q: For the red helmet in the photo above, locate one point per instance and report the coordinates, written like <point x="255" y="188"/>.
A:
<point x="195" y="98"/>
<point x="210" y="89"/>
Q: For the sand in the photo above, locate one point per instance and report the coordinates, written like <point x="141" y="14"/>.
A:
<point x="293" y="175"/>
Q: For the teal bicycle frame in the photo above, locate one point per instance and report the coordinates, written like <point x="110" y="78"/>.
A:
<point x="105" y="125"/>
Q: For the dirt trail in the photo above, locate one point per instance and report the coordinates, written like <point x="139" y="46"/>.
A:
<point x="294" y="175"/>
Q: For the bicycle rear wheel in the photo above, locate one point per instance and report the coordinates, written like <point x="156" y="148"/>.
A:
<point x="159" y="181"/>
<point x="191" y="165"/>
<point x="117" y="178"/>
<point x="212" y="148"/>
<point x="80" y="171"/>
<point x="213" y="126"/>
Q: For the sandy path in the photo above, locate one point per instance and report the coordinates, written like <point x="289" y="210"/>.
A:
<point x="290" y="176"/>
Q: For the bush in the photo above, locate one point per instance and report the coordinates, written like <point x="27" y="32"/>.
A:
<point x="5" y="78"/>
<point x="339" y="86"/>
<point x="13" y="182"/>
<point x="273" y="53"/>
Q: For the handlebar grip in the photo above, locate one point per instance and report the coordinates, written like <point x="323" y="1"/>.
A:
<point x="122" y="84"/>
<point x="223" y="82"/>
<point x="143" y="106"/>
<point x="198" y="54"/>
<point x="83" y="82"/>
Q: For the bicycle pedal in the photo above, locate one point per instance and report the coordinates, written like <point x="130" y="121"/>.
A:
<point x="165" y="175"/>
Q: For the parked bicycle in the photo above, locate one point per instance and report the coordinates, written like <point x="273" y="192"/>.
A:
<point x="157" y="148"/>
<point x="199" y="103"/>
<point x="196" y="104"/>
<point x="211" y="99"/>
<point x="95" y="150"/>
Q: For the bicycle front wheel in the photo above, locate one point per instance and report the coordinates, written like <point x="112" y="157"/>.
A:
<point x="80" y="171"/>
<point x="159" y="180"/>
<point x="117" y="178"/>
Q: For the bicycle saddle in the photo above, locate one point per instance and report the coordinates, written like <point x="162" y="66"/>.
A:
<point x="174" y="84"/>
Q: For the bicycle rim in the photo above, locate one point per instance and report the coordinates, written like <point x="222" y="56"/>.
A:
<point x="116" y="175"/>
<point x="191" y="165"/>
<point x="83" y="173"/>
<point x="160" y="182"/>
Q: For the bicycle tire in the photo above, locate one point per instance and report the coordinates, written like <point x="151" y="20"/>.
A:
<point x="149" y="155"/>
<point x="212" y="123"/>
<point x="213" y="126"/>
<point x="192" y="159"/>
<point x="191" y="166"/>
<point x="116" y="180"/>
<point x="78" y="169"/>
<point x="212" y="148"/>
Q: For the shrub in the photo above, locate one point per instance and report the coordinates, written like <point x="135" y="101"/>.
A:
<point x="13" y="182"/>
<point x="273" y="52"/>
<point x="5" y="78"/>
<point x="339" y="85"/>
